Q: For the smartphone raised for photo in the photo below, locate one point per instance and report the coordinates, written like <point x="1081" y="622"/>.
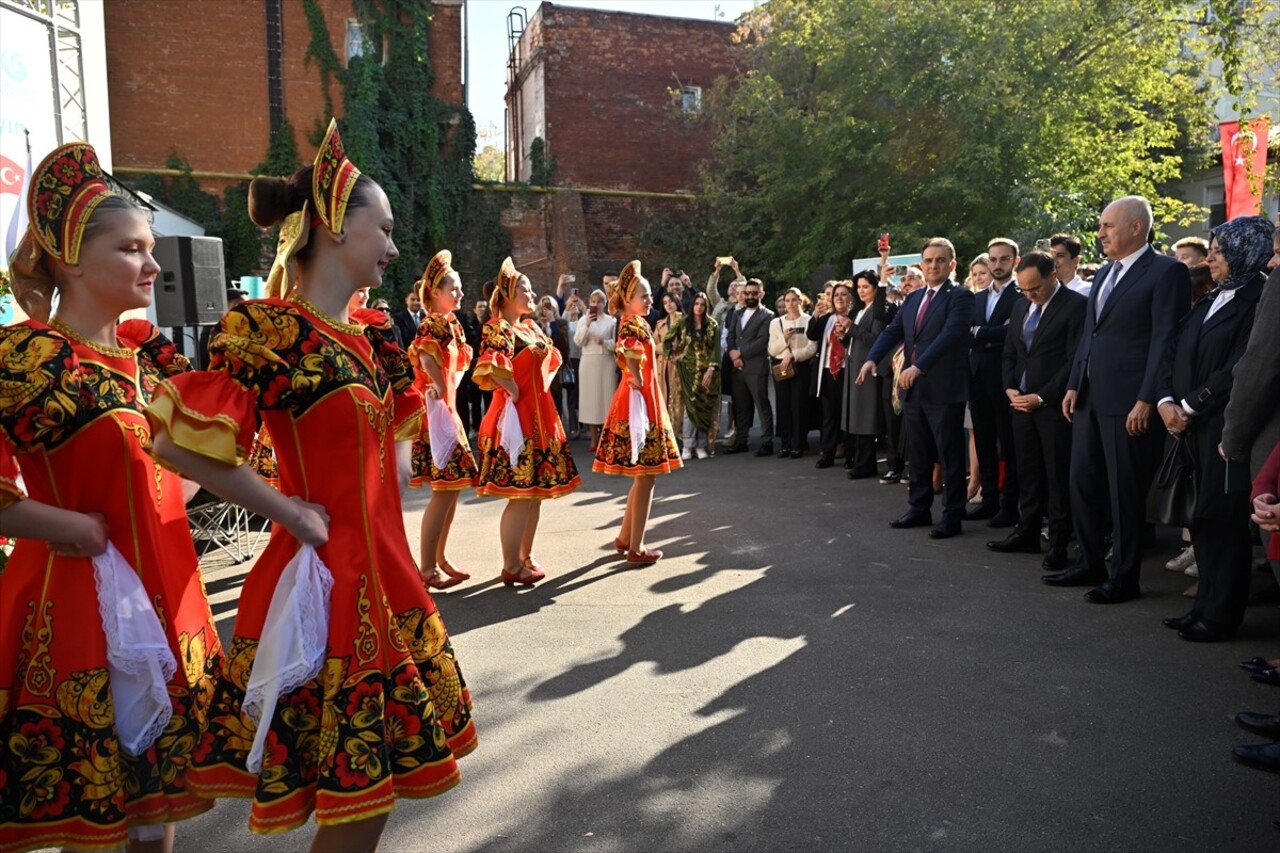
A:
<point x="726" y="260"/>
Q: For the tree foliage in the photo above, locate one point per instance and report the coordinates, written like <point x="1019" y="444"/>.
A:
<point x="966" y="118"/>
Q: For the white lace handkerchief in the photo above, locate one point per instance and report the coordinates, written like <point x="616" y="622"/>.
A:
<point x="511" y="433"/>
<point x="139" y="659"/>
<point x="294" y="638"/>
<point x="638" y="423"/>
<point x="442" y="431"/>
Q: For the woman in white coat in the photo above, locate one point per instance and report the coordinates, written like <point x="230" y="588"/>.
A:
<point x="597" y="373"/>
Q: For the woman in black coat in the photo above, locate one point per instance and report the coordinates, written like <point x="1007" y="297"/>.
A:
<point x="863" y="419"/>
<point x="1195" y="385"/>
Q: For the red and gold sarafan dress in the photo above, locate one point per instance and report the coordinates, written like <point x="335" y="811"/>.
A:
<point x="441" y="339"/>
<point x="659" y="454"/>
<point x="389" y="712"/>
<point x="71" y="420"/>
<point x="544" y="468"/>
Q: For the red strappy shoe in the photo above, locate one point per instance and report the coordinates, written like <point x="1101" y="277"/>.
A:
<point x="643" y="558"/>
<point x="520" y="578"/>
<point x="434" y="581"/>
<point x="449" y="570"/>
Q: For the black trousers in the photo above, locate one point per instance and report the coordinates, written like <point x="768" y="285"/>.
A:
<point x="792" y="396"/>
<point x="935" y="433"/>
<point x="1224" y="556"/>
<point x="993" y="438"/>
<point x="864" y="454"/>
<point x="751" y="390"/>
<point x="1042" y="444"/>
<point x="893" y="444"/>
<point x="471" y="403"/>
<point x="831" y="396"/>
<point x="1111" y="470"/>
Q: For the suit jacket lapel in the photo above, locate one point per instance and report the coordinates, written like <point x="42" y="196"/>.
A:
<point x="939" y="299"/>
<point x="1225" y="312"/>
<point x="1131" y="275"/>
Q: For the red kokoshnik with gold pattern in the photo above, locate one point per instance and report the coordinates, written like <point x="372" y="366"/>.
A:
<point x="72" y="425"/>
<point x="389" y="713"/>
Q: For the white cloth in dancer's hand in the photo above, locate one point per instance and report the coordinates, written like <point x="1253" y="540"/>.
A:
<point x="638" y="423"/>
<point x="510" y="432"/>
<point x="442" y="432"/>
<point x="139" y="659"/>
<point x="292" y="648"/>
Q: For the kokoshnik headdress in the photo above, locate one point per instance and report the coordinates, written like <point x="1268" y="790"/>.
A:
<point x="625" y="286"/>
<point x="65" y="189"/>
<point x="438" y="268"/>
<point x="333" y="178"/>
<point x="505" y="287"/>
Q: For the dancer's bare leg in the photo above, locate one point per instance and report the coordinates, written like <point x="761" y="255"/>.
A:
<point x="362" y="836"/>
<point x="639" y="502"/>
<point x="530" y="531"/>
<point x="514" y="520"/>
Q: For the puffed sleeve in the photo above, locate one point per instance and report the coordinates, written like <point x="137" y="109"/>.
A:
<point x="497" y="349"/>
<point x="432" y="341"/>
<point x="39" y="397"/>
<point x="632" y="335"/>
<point x="407" y="398"/>
<point x="214" y="412"/>
<point x="154" y="346"/>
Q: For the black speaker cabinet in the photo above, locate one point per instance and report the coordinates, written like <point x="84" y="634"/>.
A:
<point x="191" y="289"/>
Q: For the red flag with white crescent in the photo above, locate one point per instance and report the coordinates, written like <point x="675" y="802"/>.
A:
<point x="11" y="175"/>
<point x="1244" y="161"/>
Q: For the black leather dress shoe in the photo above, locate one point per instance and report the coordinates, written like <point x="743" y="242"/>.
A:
<point x="1255" y="664"/>
<point x="945" y="530"/>
<point x="1267" y="725"/>
<point x="1267" y="676"/>
<point x="1003" y="519"/>
<point x="861" y="475"/>
<point x="766" y="449"/>
<point x="823" y="462"/>
<point x="736" y="448"/>
<point x="979" y="513"/>
<point x="914" y="518"/>
<point x="1075" y="576"/>
<point x="1203" y="632"/>
<point x="784" y="453"/>
<point x="796" y="454"/>
<point x="1107" y="594"/>
<point x="1177" y="623"/>
<point x="1262" y="756"/>
<point x="1016" y="543"/>
<point x="1054" y="561"/>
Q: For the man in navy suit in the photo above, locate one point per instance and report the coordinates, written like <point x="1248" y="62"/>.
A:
<point x="1133" y="310"/>
<point x="933" y="326"/>
<point x="992" y="425"/>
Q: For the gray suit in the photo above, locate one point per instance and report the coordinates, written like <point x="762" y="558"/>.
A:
<point x="1253" y="416"/>
<point x="751" y="383"/>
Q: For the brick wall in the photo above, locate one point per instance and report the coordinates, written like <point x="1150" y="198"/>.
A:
<point x="191" y="77"/>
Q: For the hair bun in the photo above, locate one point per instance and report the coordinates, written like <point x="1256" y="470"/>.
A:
<point x="272" y="199"/>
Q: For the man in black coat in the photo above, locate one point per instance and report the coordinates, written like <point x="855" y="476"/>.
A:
<point x="932" y="326"/>
<point x="1044" y="332"/>
<point x="1132" y="312"/>
<point x="992" y="424"/>
<point x="406" y="322"/>
<point x="748" y="353"/>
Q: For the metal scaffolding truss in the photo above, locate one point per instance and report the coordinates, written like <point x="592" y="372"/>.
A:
<point x="62" y="17"/>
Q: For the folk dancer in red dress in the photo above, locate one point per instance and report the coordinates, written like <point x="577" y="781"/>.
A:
<point x="441" y="455"/>
<point x="523" y="453"/>
<point x="86" y="763"/>
<point x="385" y="712"/>
<point x="637" y="440"/>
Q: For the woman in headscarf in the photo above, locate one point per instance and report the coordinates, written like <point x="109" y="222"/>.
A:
<point x="384" y="713"/>
<point x="637" y="440"/>
<point x="524" y="456"/>
<point x="441" y="454"/>
<point x="1195" y="385"/>
<point x="88" y="762"/>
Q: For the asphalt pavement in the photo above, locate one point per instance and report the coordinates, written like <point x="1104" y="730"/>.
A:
<point x="794" y="675"/>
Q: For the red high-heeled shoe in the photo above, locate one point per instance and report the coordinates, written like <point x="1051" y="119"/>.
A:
<point x="520" y="578"/>
<point x="449" y="570"/>
<point x="434" y="581"/>
<point x="643" y="558"/>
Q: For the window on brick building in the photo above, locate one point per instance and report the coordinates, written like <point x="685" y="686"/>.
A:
<point x="691" y="99"/>
<point x="355" y="39"/>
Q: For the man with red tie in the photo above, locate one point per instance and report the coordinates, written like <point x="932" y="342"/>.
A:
<point x="933" y="328"/>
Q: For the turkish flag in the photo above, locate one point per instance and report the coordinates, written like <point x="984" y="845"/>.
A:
<point x="1244" y="160"/>
<point x="10" y="176"/>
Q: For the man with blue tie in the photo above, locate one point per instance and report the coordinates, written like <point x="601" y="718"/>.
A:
<point x="1044" y="332"/>
<point x="1130" y="320"/>
<point x="992" y="425"/>
<point x="932" y="326"/>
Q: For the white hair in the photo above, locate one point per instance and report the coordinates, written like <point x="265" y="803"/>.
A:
<point x="1136" y="209"/>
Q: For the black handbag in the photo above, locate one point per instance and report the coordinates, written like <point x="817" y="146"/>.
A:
<point x="1173" y="494"/>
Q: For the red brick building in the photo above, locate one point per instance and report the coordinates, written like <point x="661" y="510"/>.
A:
<point x="210" y="80"/>
<point x="608" y="94"/>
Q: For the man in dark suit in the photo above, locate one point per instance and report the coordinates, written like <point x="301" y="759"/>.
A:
<point x="748" y="353"/>
<point x="405" y="323"/>
<point x="992" y="425"/>
<point x="1132" y="312"/>
<point x="1044" y="332"/>
<point x="933" y="328"/>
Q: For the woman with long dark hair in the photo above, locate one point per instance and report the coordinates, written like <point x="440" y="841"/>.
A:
<point x="834" y="332"/>
<point x="693" y="345"/>
<point x="863" y="419"/>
